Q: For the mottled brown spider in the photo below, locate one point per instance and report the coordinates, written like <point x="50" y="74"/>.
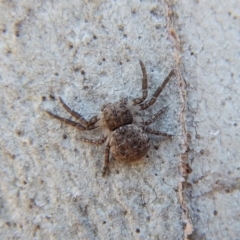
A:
<point x="125" y="136"/>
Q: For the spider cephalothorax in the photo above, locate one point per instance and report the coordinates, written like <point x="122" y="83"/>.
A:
<point x="117" y="114"/>
<point x="126" y="136"/>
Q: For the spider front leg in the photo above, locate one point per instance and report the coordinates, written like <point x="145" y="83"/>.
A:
<point x="157" y="93"/>
<point x="83" y="125"/>
<point x="69" y="122"/>
<point x="78" y="116"/>
<point x="106" y="159"/>
<point x="144" y="86"/>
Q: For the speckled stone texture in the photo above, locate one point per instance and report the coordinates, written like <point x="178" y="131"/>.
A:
<point x="88" y="53"/>
<point x="209" y="32"/>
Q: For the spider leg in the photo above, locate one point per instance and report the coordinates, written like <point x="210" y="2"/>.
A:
<point x="70" y="122"/>
<point x="93" y="120"/>
<point x="157" y="93"/>
<point x="144" y="86"/>
<point x="155" y="116"/>
<point x="155" y="132"/>
<point x="106" y="159"/>
<point x="94" y="141"/>
<point x="78" y="116"/>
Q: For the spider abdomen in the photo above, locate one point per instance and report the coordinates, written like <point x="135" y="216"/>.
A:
<point x="129" y="143"/>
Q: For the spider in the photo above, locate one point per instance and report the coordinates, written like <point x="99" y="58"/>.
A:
<point x="125" y="135"/>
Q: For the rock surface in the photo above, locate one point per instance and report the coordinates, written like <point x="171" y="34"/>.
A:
<point x="87" y="52"/>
